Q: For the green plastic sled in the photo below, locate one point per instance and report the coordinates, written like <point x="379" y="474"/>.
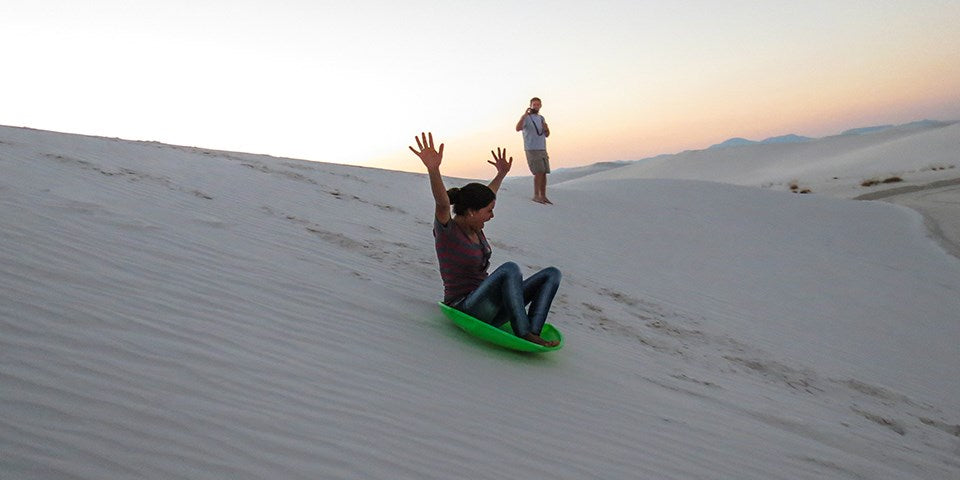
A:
<point x="502" y="336"/>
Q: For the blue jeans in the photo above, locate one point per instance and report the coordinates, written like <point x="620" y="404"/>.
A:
<point x="504" y="295"/>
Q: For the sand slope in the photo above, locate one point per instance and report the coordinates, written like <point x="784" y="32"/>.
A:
<point x="171" y="312"/>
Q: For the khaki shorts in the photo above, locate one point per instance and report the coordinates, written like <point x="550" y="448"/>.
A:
<point x="538" y="161"/>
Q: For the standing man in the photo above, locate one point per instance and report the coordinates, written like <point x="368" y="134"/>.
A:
<point x="535" y="133"/>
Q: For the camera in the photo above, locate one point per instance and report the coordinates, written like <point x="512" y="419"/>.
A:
<point x="532" y="111"/>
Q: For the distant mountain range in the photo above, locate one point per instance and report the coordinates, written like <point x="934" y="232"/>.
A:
<point x="740" y="142"/>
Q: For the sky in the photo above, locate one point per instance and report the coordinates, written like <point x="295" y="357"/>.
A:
<point x="353" y="82"/>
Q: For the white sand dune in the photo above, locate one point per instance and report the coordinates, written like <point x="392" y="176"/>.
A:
<point x="171" y="312"/>
<point x="914" y="165"/>
<point x="834" y="165"/>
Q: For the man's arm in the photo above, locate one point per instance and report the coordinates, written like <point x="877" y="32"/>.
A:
<point x="523" y="118"/>
<point x="546" y="129"/>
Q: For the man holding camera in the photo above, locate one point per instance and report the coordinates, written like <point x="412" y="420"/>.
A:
<point x="535" y="133"/>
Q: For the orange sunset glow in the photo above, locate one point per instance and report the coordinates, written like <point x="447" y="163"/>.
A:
<point x="620" y="80"/>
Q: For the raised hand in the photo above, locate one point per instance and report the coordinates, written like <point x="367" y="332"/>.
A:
<point x="500" y="161"/>
<point x="430" y="157"/>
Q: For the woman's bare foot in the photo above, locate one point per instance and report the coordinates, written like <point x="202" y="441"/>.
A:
<point x="533" y="337"/>
<point x="540" y="200"/>
<point x="547" y="201"/>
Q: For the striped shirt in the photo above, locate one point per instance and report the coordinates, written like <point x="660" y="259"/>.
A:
<point x="463" y="264"/>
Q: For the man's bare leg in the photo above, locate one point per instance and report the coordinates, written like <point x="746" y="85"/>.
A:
<point x="537" y="197"/>
<point x="540" y="188"/>
<point x="543" y="189"/>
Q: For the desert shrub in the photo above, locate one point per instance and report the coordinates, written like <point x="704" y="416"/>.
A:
<point x="892" y="180"/>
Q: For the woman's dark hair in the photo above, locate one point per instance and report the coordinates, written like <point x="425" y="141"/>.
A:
<point x="470" y="196"/>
